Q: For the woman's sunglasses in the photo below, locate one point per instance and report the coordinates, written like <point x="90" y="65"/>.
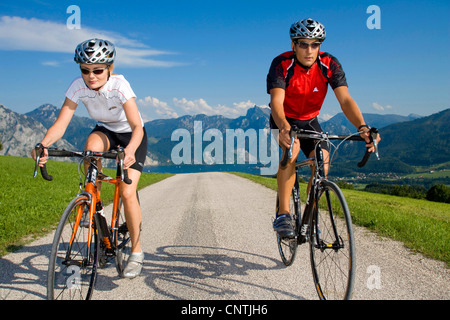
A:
<point x="95" y="71"/>
<point x="305" y="45"/>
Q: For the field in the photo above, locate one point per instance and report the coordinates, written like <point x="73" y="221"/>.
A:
<point x="422" y="225"/>
<point x="31" y="207"/>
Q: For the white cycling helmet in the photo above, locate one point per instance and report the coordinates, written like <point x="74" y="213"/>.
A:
<point x="95" y="51"/>
<point x="307" y="29"/>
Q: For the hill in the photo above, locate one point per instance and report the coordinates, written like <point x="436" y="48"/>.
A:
<point x="340" y="125"/>
<point x="422" y="142"/>
<point x="406" y="140"/>
<point x="77" y="131"/>
<point x="20" y="133"/>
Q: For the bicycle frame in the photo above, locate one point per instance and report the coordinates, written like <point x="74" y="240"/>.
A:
<point x="317" y="165"/>
<point x="311" y="203"/>
<point x="92" y="192"/>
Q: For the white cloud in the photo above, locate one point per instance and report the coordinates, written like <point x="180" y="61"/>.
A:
<point x="194" y="106"/>
<point x="155" y="106"/>
<point x="156" y="109"/>
<point x="379" y="107"/>
<point x="17" y="33"/>
<point x="51" y="63"/>
<point x="201" y="106"/>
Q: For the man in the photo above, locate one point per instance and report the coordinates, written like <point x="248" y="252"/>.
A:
<point x="297" y="83"/>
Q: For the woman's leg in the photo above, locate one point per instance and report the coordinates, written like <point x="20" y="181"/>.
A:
<point x="132" y="209"/>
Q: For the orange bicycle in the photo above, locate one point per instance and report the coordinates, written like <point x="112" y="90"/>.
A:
<point x="84" y="240"/>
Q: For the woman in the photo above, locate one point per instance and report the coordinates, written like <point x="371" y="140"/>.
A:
<point x="110" y="100"/>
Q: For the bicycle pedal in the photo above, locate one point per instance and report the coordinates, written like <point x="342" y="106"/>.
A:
<point x="123" y="229"/>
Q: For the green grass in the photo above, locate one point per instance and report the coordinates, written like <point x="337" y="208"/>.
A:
<point x="422" y="225"/>
<point x="32" y="207"/>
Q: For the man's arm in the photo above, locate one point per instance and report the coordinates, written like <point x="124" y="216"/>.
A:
<point x="349" y="106"/>
<point x="352" y="112"/>
<point x="277" y="110"/>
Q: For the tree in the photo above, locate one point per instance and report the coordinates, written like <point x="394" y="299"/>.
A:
<point x="439" y="193"/>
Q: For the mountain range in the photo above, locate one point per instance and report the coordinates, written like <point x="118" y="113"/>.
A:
<point x="408" y="140"/>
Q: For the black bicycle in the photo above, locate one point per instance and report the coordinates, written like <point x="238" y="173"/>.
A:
<point x="326" y="223"/>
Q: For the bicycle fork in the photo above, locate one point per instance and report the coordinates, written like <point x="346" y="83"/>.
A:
<point x="82" y="212"/>
<point x="320" y="243"/>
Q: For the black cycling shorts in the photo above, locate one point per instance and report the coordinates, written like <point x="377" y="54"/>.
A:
<point x="123" y="139"/>
<point x="307" y="145"/>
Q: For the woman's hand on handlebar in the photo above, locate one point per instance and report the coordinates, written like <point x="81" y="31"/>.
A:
<point x="129" y="158"/>
<point x="43" y="156"/>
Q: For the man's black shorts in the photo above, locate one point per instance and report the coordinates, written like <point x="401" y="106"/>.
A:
<point x="307" y="145"/>
<point x="123" y="139"/>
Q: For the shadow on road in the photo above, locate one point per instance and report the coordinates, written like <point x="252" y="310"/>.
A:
<point x="201" y="272"/>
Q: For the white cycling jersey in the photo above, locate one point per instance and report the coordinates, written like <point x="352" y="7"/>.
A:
<point x="105" y="105"/>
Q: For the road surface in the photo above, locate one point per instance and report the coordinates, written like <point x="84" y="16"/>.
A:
<point x="208" y="236"/>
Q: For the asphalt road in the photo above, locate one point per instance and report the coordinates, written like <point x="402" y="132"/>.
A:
<point x="208" y="236"/>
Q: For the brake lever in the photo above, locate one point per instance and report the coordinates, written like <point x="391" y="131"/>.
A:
<point x="123" y="172"/>
<point x="374" y="135"/>
<point x="38" y="151"/>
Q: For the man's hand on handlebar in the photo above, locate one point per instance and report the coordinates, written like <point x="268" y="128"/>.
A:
<point x="371" y="136"/>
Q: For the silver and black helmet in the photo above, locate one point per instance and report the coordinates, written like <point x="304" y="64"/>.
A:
<point x="95" y="51"/>
<point x="307" y="29"/>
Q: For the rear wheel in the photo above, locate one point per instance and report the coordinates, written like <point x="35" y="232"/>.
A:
<point x="122" y="239"/>
<point x="288" y="246"/>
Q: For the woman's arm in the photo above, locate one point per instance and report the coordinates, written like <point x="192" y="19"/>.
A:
<point x="57" y="130"/>
<point x="134" y="119"/>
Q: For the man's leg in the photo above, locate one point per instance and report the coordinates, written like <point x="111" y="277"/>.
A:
<point x="286" y="180"/>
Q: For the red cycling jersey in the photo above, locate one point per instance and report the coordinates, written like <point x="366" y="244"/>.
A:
<point x="305" y="88"/>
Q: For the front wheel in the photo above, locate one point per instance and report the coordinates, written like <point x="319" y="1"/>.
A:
<point x="72" y="267"/>
<point x="332" y="245"/>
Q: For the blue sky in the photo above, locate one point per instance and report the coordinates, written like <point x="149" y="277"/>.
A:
<point x="188" y="57"/>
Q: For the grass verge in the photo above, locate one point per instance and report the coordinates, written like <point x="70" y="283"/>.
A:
<point x="30" y="208"/>
<point x="423" y="226"/>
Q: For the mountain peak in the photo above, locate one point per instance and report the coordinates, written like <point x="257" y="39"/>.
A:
<point x="258" y="112"/>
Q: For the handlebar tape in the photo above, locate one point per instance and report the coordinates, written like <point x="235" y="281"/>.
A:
<point x="45" y="174"/>
<point x="285" y="159"/>
<point x="364" y="160"/>
<point x="125" y="177"/>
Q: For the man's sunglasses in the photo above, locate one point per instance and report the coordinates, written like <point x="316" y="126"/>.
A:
<point x="306" y="45"/>
<point x="95" y="71"/>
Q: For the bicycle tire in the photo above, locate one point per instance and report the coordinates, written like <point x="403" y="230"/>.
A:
<point x="332" y="257"/>
<point x="71" y="272"/>
<point x="287" y="247"/>
<point x="122" y="239"/>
